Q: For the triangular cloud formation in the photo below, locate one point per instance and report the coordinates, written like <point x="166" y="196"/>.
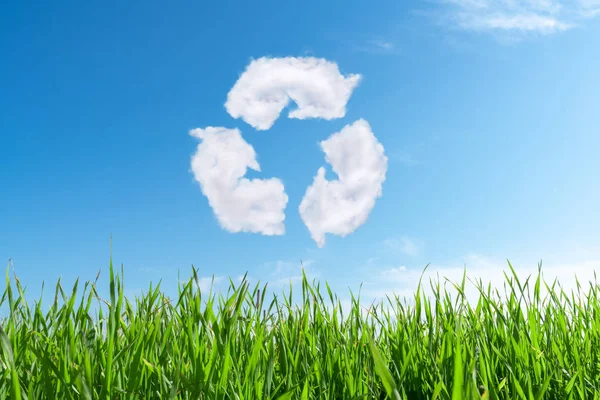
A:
<point x="261" y="93"/>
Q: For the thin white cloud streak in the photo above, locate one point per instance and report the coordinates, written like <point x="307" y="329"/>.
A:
<point x="374" y="46"/>
<point x="240" y="204"/>
<point x="382" y="44"/>
<point x="506" y="22"/>
<point x="268" y="85"/>
<point x="519" y="16"/>
<point x="340" y="206"/>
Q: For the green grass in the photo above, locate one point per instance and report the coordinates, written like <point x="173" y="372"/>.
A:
<point x="240" y="345"/>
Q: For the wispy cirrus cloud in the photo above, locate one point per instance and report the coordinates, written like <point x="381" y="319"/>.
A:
<point x="590" y="8"/>
<point x="517" y="17"/>
<point x="377" y="45"/>
<point x="402" y="281"/>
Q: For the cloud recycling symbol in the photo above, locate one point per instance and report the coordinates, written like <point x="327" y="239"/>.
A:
<point x="259" y="96"/>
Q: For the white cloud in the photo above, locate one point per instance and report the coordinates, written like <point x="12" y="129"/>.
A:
<point x="404" y="245"/>
<point x="240" y="204"/>
<point x="382" y="44"/>
<point x="282" y="273"/>
<point x="374" y="46"/>
<point x="519" y="16"/>
<point x="205" y="282"/>
<point x="403" y="281"/>
<point x="268" y="84"/>
<point x="341" y="206"/>
<point x="393" y="274"/>
<point x="590" y="8"/>
<point x="507" y="22"/>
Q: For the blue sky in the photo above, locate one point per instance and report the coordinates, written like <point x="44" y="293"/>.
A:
<point x="487" y="113"/>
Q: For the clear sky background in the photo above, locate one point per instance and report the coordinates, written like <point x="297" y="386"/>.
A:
<point x="488" y="114"/>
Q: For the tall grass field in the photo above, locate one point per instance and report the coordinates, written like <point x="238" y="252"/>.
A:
<point x="243" y="345"/>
